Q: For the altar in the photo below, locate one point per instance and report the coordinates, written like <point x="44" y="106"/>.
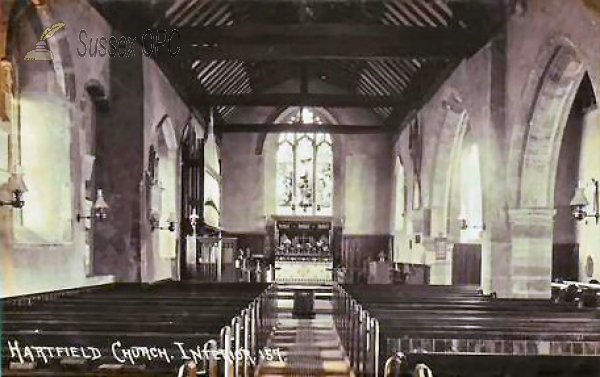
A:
<point x="303" y="250"/>
<point x="300" y="271"/>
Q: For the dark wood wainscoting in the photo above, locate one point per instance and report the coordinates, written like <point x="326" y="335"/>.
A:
<point x="565" y="261"/>
<point x="358" y="250"/>
<point x="253" y="241"/>
<point x="466" y="264"/>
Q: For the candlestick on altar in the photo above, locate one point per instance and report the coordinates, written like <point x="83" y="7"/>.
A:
<point x="194" y="220"/>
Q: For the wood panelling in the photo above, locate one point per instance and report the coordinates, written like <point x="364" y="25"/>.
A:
<point x="253" y="241"/>
<point x="565" y="261"/>
<point x="466" y="264"/>
<point x="358" y="250"/>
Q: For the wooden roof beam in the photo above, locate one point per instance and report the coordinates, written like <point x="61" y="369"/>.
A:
<point x="325" y="41"/>
<point x="285" y="127"/>
<point x="297" y="99"/>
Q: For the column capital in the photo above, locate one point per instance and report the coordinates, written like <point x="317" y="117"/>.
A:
<point x="531" y="216"/>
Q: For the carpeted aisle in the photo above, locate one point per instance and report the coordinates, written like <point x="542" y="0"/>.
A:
<point x="310" y="347"/>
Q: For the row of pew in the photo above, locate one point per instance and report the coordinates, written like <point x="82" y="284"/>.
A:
<point x="457" y="331"/>
<point x="129" y="329"/>
<point x="578" y="293"/>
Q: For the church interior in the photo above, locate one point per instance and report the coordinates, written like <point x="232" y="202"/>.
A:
<point x="300" y="188"/>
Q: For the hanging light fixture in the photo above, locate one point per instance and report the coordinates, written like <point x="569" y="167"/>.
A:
<point x="579" y="203"/>
<point x="99" y="210"/>
<point x="18" y="188"/>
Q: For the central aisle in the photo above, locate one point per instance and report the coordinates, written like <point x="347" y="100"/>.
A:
<point x="311" y="347"/>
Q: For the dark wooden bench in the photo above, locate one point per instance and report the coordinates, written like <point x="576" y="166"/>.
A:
<point x="457" y="331"/>
<point x="133" y="314"/>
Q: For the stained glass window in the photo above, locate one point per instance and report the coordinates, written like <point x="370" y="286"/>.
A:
<point x="304" y="169"/>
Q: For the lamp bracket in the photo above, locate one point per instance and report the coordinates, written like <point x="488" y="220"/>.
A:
<point x="17" y="201"/>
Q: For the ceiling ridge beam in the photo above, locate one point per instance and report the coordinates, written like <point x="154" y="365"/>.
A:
<point x="298" y="99"/>
<point x="264" y="128"/>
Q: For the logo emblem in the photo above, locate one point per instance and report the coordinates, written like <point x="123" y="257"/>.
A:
<point x="41" y="51"/>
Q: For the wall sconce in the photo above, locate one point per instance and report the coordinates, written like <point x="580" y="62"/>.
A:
<point x="155" y="223"/>
<point x="464" y="225"/>
<point x="580" y="202"/>
<point x="99" y="210"/>
<point x="18" y="188"/>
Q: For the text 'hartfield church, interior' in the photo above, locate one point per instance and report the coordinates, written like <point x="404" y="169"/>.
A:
<point x="300" y="188"/>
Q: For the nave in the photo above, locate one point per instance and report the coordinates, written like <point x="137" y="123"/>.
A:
<point x="357" y="187"/>
<point x="352" y="330"/>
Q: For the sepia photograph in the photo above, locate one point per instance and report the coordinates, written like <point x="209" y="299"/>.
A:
<point x="270" y="188"/>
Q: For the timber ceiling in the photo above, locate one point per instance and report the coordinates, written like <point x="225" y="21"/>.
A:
<point x="386" y="55"/>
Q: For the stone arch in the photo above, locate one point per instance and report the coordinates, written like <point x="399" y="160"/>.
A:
<point x="164" y="142"/>
<point x="538" y="130"/>
<point x="399" y="194"/>
<point x="453" y="128"/>
<point x="41" y="18"/>
<point x="33" y="17"/>
<point x="538" y="127"/>
<point x="164" y="135"/>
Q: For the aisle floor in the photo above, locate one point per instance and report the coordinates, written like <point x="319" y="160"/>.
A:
<point x="310" y="347"/>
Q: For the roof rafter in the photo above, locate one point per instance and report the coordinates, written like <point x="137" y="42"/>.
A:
<point x="298" y="99"/>
<point x="323" y="41"/>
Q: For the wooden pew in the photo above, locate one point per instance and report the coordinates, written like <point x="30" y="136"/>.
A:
<point x="453" y="328"/>
<point x="173" y="316"/>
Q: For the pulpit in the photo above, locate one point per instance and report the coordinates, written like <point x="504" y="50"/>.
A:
<point x="380" y="272"/>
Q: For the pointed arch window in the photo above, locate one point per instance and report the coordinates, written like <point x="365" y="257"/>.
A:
<point x="400" y="210"/>
<point x="304" y="169"/>
<point x="471" y="197"/>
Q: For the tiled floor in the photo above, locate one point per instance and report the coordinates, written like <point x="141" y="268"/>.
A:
<point x="310" y="347"/>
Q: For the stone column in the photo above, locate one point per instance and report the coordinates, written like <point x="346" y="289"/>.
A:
<point x="495" y="265"/>
<point x="531" y="258"/>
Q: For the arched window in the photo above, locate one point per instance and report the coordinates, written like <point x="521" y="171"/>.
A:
<point x="399" y="213"/>
<point x="304" y="169"/>
<point x="471" y="206"/>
